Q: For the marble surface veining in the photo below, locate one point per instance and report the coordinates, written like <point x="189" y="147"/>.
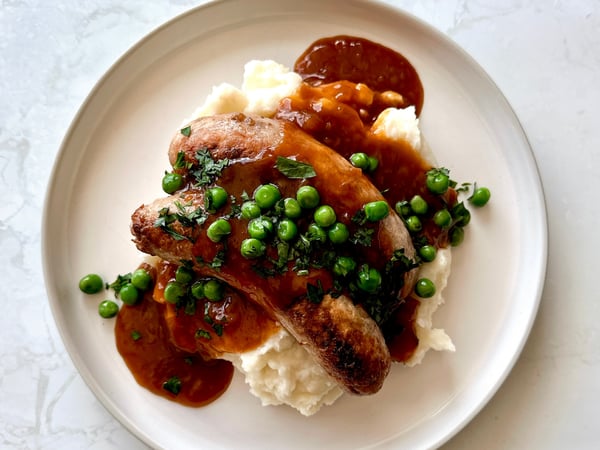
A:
<point x="544" y="55"/>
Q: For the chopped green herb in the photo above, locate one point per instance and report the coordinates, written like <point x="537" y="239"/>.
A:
<point x="208" y="169"/>
<point x="118" y="284"/>
<point x="180" y="162"/>
<point x="294" y="169"/>
<point x="360" y="217"/>
<point x="464" y="187"/>
<point x="189" y="307"/>
<point x="186" y="131"/>
<point x="189" y="217"/>
<point x="164" y="221"/>
<point x="200" y="333"/>
<point x="135" y="335"/>
<point x="264" y="272"/>
<point x="363" y="236"/>
<point x="218" y="327"/>
<point x="185" y="215"/>
<point x="314" y="293"/>
<point x="218" y="260"/>
<point x="172" y="385"/>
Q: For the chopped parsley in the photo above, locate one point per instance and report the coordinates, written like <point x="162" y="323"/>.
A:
<point x="314" y="293"/>
<point x="180" y="162"/>
<point x="218" y="327"/>
<point x="464" y="187"/>
<point x="187" y="131"/>
<point x="200" y="333"/>
<point x="136" y="335"/>
<point x="172" y="385"/>
<point x="294" y="169"/>
<point x="363" y="236"/>
<point x="164" y="221"/>
<point x="118" y="284"/>
<point x="208" y="169"/>
<point x="217" y="262"/>
<point x="185" y="216"/>
<point x="360" y="217"/>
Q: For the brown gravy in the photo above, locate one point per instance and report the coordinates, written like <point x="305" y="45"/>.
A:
<point x="154" y="360"/>
<point x="359" y="60"/>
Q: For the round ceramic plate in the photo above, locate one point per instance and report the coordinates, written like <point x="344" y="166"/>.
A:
<point x="115" y="153"/>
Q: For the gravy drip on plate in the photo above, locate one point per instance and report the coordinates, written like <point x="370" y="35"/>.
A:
<point x="154" y="360"/>
<point x="361" y="61"/>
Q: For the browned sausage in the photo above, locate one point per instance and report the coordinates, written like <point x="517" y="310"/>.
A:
<point x="340" y="335"/>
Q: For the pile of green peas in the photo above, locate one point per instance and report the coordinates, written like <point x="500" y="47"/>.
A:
<point x="453" y="221"/>
<point x="129" y="291"/>
<point x="187" y="286"/>
<point x="270" y="215"/>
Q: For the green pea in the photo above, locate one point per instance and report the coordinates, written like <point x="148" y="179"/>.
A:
<point x="480" y="197"/>
<point x="338" y="233"/>
<point x="184" y="275"/>
<point x="437" y="181"/>
<point x="141" y="279"/>
<point x="308" y="197"/>
<point x="252" y="248"/>
<point x="287" y="230"/>
<point x="213" y="290"/>
<point x="250" y="210"/>
<point x="373" y="163"/>
<point x="413" y="224"/>
<point x="216" y="198"/>
<point x="108" y="309"/>
<point x="291" y="208"/>
<point x="375" y="211"/>
<point x="324" y="216"/>
<point x="369" y="279"/>
<point x="218" y="229"/>
<point x="457" y="235"/>
<point x="403" y="208"/>
<point x="260" y="228"/>
<point x="266" y="195"/>
<point x="424" y="288"/>
<point x="174" y="292"/>
<point x="172" y="182"/>
<point x="427" y="253"/>
<point x="343" y="266"/>
<point x="197" y="290"/>
<point x="91" y="284"/>
<point x="360" y="160"/>
<point x="442" y="218"/>
<point x="129" y="294"/>
<point x="419" y="205"/>
<point x="461" y="215"/>
<point x="316" y="233"/>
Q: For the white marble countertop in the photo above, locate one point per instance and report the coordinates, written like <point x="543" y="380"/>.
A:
<point x="545" y="57"/>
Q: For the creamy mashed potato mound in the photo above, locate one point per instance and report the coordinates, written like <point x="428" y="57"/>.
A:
<point x="281" y="371"/>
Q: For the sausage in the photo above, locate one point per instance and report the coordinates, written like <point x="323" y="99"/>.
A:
<point x="341" y="336"/>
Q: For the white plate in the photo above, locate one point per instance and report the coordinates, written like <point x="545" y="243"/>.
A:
<point x="112" y="160"/>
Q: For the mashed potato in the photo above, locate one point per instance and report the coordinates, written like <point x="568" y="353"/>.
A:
<point x="281" y="371"/>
